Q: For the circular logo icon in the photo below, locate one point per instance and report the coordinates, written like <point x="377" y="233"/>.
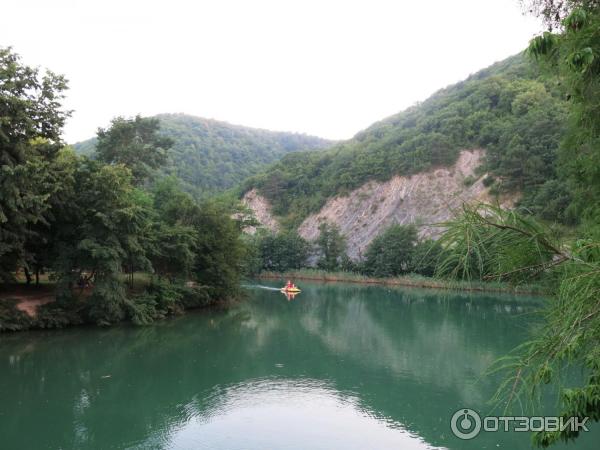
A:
<point x="465" y="424"/>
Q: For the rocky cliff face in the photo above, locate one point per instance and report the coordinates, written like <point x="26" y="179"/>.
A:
<point x="262" y="211"/>
<point x="425" y="199"/>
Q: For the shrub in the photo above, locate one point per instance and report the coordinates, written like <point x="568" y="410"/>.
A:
<point x="11" y="318"/>
<point x="391" y="253"/>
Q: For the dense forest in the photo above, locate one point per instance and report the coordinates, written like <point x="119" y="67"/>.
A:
<point x="511" y="109"/>
<point x="86" y="226"/>
<point x="209" y="156"/>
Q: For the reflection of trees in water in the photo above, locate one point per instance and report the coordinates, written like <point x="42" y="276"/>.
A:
<point x="415" y="335"/>
<point x="106" y="385"/>
<point x="421" y="345"/>
<point x="104" y="388"/>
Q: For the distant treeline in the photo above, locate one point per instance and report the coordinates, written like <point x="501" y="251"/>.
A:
<point x="209" y="156"/>
<point x="396" y="251"/>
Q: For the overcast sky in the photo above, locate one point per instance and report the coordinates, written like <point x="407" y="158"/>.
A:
<point x="329" y="68"/>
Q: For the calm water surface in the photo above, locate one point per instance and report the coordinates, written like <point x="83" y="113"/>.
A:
<point x="339" y="367"/>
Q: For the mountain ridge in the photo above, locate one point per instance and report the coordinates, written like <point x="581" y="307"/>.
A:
<point x="509" y="109"/>
<point x="210" y="156"/>
<point x="502" y="125"/>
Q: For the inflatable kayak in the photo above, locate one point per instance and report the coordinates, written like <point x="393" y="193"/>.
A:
<point x="295" y="289"/>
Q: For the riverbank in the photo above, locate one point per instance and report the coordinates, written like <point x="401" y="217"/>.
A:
<point x="29" y="307"/>
<point x="410" y="280"/>
<point x="34" y="307"/>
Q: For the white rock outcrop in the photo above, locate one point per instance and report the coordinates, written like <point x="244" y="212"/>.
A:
<point x="262" y="211"/>
<point x="426" y="199"/>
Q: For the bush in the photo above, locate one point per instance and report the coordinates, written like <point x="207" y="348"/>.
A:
<point x="551" y="202"/>
<point x="11" y="318"/>
<point x="469" y="181"/>
<point x="195" y="297"/>
<point x="163" y="299"/>
<point x="168" y="297"/>
<point x="426" y="257"/>
<point x="391" y="253"/>
<point x="488" y="181"/>
<point x="283" y="251"/>
<point x="60" y="314"/>
<point x="108" y="302"/>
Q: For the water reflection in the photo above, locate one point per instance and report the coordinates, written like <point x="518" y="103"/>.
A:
<point x="289" y="295"/>
<point x="340" y="366"/>
<point x="292" y="412"/>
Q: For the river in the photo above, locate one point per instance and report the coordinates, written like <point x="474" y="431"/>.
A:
<point x="340" y="366"/>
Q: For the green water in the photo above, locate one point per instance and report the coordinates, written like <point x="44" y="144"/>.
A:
<point x="338" y="367"/>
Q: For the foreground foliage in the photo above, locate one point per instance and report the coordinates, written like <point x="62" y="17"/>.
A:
<point x="488" y="243"/>
<point x="496" y="244"/>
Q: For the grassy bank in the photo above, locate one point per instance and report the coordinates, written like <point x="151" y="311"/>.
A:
<point x="410" y="280"/>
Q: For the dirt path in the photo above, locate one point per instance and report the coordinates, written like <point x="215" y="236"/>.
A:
<point x="29" y="305"/>
<point x="29" y="297"/>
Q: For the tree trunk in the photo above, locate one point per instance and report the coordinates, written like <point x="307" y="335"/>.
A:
<point x="27" y="275"/>
<point x="37" y="276"/>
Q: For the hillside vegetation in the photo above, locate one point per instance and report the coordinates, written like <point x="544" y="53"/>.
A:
<point x="211" y="156"/>
<point x="509" y="109"/>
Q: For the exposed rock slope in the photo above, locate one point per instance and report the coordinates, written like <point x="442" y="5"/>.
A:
<point x="426" y="199"/>
<point x="262" y="211"/>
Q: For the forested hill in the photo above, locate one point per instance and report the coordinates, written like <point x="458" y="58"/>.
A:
<point x="211" y="156"/>
<point x="508" y="109"/>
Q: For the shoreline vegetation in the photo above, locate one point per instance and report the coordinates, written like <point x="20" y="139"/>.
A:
<point x="25" y="307"/>
<point x="410" y="280"/>
<point x="90" y="224"/>
<point x="20" y="313"/>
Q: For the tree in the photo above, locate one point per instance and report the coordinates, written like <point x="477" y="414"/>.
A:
<point x="90" y="221"/>
<point x="106" y="229"/>
<point x="554" y="12"/>
<point x="552" y="202"/>
<point x="391" y="253"/>
<point x="39" y="248"/>
<point x="426" y="257"/>
<point x="136" y="143"/>
<point x="573" y="53"/>
<point x="219" y="251"/>
<point x="332" y="247"/>
<point x="174" y="240"/>
<point x="524" y="248"/>
<point x="31" y="120"/>
<point x="493" y="244"/>
<point x="282" y="252"/>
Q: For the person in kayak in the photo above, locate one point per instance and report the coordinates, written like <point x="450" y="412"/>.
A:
<point x="290" y="285"/>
